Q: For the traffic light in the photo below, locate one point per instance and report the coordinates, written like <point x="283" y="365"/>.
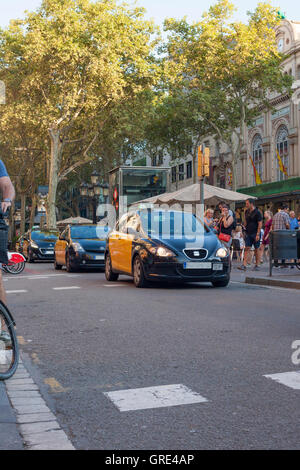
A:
<point x="206" y="162"/>
<point x="203" y="162"/>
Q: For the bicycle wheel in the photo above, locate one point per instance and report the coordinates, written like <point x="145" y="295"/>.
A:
<point x="9" y="349"/>
<point x="15" y="268"/>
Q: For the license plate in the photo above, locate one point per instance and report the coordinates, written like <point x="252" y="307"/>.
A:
<point x="49" y="252"/>
<point x="99" y="257"/>
<point x="197" y="265"/>
<point x="218" y="267"/>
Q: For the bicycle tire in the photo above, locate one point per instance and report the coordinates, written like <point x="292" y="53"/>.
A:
<point x="15" y="268"/>
<point x="9" y="348"/>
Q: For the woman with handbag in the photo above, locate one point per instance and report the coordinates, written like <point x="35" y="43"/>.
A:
<point x="226" y="225"/>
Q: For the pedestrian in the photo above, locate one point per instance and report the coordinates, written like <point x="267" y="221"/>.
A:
<point x="294" y="224"/>
<point x="226" y="226"/>
<point x="209" y="218"/>
<point x="253" y="226"/>
<point x="238" y="242"/>
<point x="264" y="247"/>
<point x="281" y="221"/>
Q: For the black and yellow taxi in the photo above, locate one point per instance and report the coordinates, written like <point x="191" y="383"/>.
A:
<point x="38" y="245"/>
<point x="158" y="245"/>
<point x="81" y="246"/>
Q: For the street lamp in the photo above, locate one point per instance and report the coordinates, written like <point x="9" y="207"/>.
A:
<point x="92" y="192"/>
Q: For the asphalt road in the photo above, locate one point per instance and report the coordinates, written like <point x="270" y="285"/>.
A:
<point x="92" y="337"/>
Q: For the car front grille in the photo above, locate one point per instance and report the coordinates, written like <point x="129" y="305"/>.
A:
<point x="196" y="253"/>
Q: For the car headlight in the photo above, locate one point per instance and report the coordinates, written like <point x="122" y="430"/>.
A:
<point x="77" y="247"/>
<point x="162" y="252"/>
<point x="34" y="245"/>
<point x="222" y="253"/>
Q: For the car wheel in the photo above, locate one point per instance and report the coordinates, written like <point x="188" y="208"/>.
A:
<point x="221" y="283"/>
<point x="109" y="274"/>
<point x="138" y="273"/>
<point x="58" y="267"/>
<point x="69" y="267"/>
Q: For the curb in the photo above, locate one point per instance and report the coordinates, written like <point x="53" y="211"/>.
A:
<point x="10" y="438"/>
<point x="37" y="425"/>
<point x="266" y="281"/>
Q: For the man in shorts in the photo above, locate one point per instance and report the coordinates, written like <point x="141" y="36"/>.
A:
<point x="253" y="226"/>
<point x="8" y="194"/>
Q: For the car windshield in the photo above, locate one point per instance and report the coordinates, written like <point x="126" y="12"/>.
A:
<point x="89" y="232"/>
<point x="44" y="235"/>
<point x="171" y="224"/>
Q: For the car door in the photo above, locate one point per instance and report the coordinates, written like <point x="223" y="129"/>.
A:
<point x="60" y="248"/>
<point x="127" y="235"/>
<point x="115" y="244"/>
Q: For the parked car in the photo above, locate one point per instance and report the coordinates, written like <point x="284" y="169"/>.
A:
<point x="38" y="245"/>
<point x="157" y="245"/>
<point x="81" y="246"/>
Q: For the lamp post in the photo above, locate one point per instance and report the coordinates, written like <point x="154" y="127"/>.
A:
<point x="92" y="192"/>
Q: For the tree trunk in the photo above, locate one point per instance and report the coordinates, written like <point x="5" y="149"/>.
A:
<point x="33" y="209"/>
<point x="55" y="158"/>
<point x="23" y="213"/>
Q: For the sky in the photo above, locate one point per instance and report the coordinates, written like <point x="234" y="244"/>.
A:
<point x="159" y="9"/>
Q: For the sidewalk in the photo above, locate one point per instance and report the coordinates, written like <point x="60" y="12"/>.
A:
<point x="10" y="438"/>
<point x="286" y="277"/>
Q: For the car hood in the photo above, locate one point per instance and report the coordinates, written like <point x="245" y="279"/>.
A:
<point x="97" y="244"/>
<point x="208" y="241"/>
<point x="45" y="243"/>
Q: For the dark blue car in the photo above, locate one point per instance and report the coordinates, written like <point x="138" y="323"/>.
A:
<point x="81" y="246"/>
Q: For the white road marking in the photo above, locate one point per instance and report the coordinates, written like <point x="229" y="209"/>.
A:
<point x="40" y="276"/>
<point x="290" y="379"/>
<point x="114" y="285"/>
<point x="154" y="397"/>
<point x="66" y="288"/>
<point x="16" y="291"/>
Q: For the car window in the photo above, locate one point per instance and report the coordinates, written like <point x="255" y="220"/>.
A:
<point x="171" y="224"/>
<point x="133" y="222"/>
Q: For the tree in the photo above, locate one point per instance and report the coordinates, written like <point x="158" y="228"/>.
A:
<point x="227" y="69"/>
<point x="76" y="60"/>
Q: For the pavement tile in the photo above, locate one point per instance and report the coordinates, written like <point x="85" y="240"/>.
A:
<point x="35" y="418"/>
<point x="34" y="428"/>
<point x="24" y="394"/>
<point x="57" y="438"/>
<point x="27" y="401"/>
<point x="66" y="446"/>
<point x="22" y="387"/>
<point x="22" y="409"/>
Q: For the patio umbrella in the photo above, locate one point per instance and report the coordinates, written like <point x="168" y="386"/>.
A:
<point x="75" y="221"/>
<point x="191" y="195"/>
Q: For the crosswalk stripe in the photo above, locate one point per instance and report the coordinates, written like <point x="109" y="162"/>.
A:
<point x="290" y="379"/>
